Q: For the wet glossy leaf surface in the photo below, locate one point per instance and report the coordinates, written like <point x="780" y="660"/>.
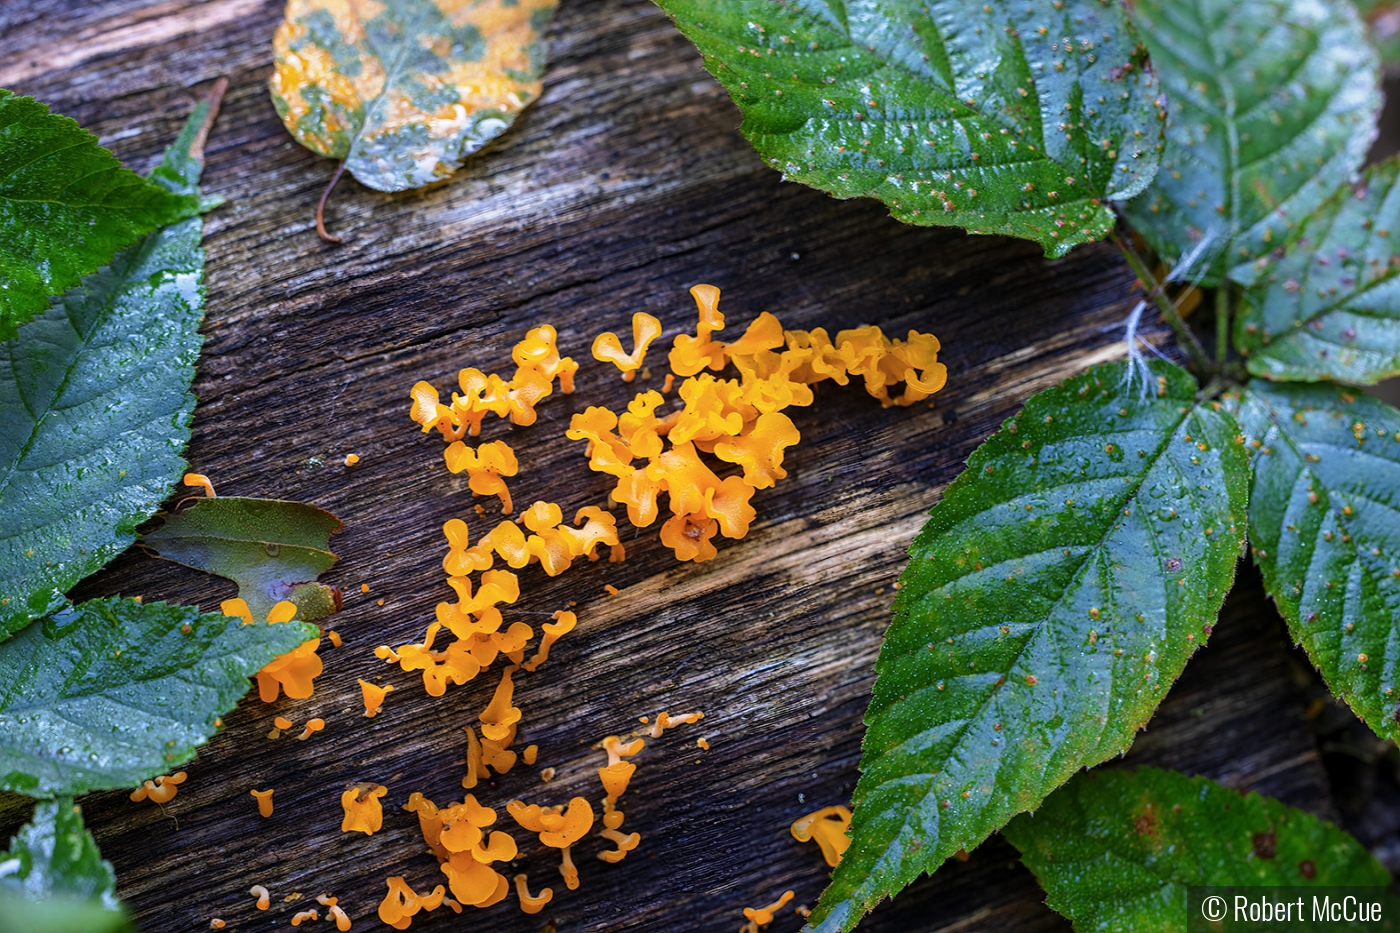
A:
<point x="57" y="856"/>
<point x="1330" y="307"/>
<point x="1052" y="598"/>
<point x="1325" y="531"/>
<point x="58" y="915"/>
<point x="66" y="207"/>
<point x="1272" y="105"/>
<point x="273" y="550"/>
<point x="95" y="408"/>
<point x="1116" y="850"/>
<point x="1019" y="119"/>
<point x="112" y="692"/>
<point x="404" y="91"/>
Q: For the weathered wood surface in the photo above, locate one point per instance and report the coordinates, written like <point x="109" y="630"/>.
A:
<point x="627" y="183"/>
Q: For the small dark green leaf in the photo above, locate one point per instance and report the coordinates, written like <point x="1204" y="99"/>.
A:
<point x="1013" y="118"/>
<point x="111" y="692"/>
<point x="66" y="207"/>
<point x="1055" y="594"/>
<point x="273" y="550"/>
<point x="1330" y="308"/>
<point x="55" y="855"/>
<point x="1325" y="531"/>
<point x="1116" y="850"/>
<point x="95" y="407"/>
<point x="1272" y="103"/>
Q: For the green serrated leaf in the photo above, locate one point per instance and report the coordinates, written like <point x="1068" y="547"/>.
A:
<point x="404" y="91"/>
<point x="54" y="855"/>
<point x="1116" y="850"/>
<point x="58" y="915"/>
<point x="66" y="207"/>
<point x="273" y="550"/>
<point x="1013" y="118"/>
<point x="1325" y="531"/>
<point x="112" y="692"/>
<point x="1055" y="594"/>
<point x="1330" y="307"/>
<point x="1272" y="104"/>
<point x="95" y="407"/>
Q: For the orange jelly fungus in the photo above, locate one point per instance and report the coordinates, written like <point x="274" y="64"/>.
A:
<point x="703" y="742"/>
<point x="666" y="721"/>
<point x="624" y="844"/>
<point x="200" y="480"/>
<point x="293" y="672"/>
<point x="352" y="459"/>
<point x="456" y="834"/>
<point x="564" y="623"/>
<point x="335" y="638"/>
<point x="538" y="365"/>
<point x="401" y="903"/>
<point x="610" y="589"/>
<point x="484" y="468"/>
<point x="264" y="798"/>
<point x="264" y="899"/>
<point x="363" y="812"/>
<point x="161" y="789"/>
<point x="530" y="753"/>
<point x="828" y="826"/>
<point x="528" y="904"/>
<point x="558" y="828"/>
<point x="607" y="347"/>
<point x="760" y="917"/>
<point x="374" y="695"/>
<point x="312" y="726"/>
<point x="738" y="421"/>
<point x="305" y="916"/>
<point x="217" y="924"/>
<point x="335" y="912"/>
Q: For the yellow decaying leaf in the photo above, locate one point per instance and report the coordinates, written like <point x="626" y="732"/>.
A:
<point x="404" y="90"/>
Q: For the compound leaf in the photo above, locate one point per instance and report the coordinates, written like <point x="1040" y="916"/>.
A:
<point x="95" y="406"/>
<point x="66" y="207"/>
<point x="1116" y="850"/>
<point x="1052" y="598"/>
<point x="111" y="692"/>
<point x="1325" y="530"/>
<point x="1014" y="118"/>
<point x="57" y="856"/>
<point x="404" y="91"/>
<point x="1272" y="105"/>
<point x="273" y="550"/>
<point x="1330" y="307"/>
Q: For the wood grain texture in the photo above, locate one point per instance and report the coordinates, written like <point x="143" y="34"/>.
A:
<point x="627" y="183"/>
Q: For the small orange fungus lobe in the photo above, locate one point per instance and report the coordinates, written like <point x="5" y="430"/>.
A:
<point x="623" y="842"/>
<point x="666" y="721"/>
<point x="564" y="623"/>
<point x="305" y="916"/>
<point x="531" y="751"/>
<point x="264" y="899"/>
<point x="312" y="726"/>
<point x="283" y="611"/>
<point x="341" y="918"/>
<point x="238" y="608"/>
<point x="610" y="589"/>
<point x="546" y="775"/>
<point x="161" y="789"/>
<point x="703" y="742"/>
<point x="484" y="468"/>
<point x="364" y="587"/>
<point x="401" y="903"/>
<point x="363" y="811"/>
<point x="281" y="722"/>
<point x="335" y="638"/>
<point x="374" y="695"/>
<point x="828" y="826"/>
<point x="531" y="905"/>
<point x="689" y="355"/>
<point x="760" y="917"/>
<point x="264" y="798"/>
<point x="293" y="673"/>
<point x="216" y="923"/>
<point x="200" y="480"/>
<point x="617" y="751"/>
<point x="607" y="347"/>
<point x="615" y="778"/>
<point x="352" y="459"/>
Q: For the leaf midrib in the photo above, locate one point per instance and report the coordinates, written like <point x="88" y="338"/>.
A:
<point x="391" y="74"/>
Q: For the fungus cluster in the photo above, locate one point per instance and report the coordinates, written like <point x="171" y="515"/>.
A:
<point x="292" y="673"/>
<point x="739" y="421"/>
<point x="161" y="789"/>
<point x="828" y="826"/>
